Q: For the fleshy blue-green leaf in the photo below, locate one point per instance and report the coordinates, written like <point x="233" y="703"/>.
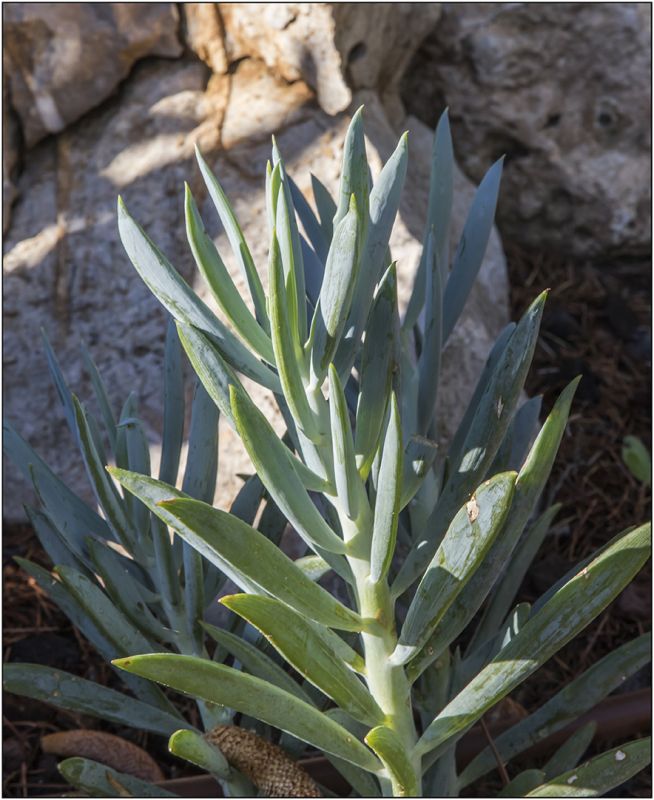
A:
<point x="336" y="293"/>
<point x="193" y="747"/>
<point x="72" y="693"/>
<point x="78" y="615"/>
<point x="354" y="172"/>
<point x="468" y="539"/>
<point x="99" y="780"/>
<point x="429" y="363"/>
<point x="346" y="476"/>
<point x="439" y="209"/>
<point x="454" y="453"/>
<point x="389" y="748"/>
<point x="115" y="626"/>
<point x="220" y="282"/>
<point x="273" y="464"/>
<point x="516" y="569"/>
<point x="69" y="514"/>
<point x="313" y="650"/>
<point x="214" y="372"/>
<point x="570" y="753"/>
<point x="310" y="222"/>
<point x="225" y="540"/>
<point x="523" y="783"/>
<point x="236" y="239"/>
<point x="518" y="438"/>
<point x="153" y="493"/>
<point x="637" y="458"/>
<point x="103" y="488"/>
<point x="59" y="549"/>
<point x="384" y="204"/>
<point x="573" y="607"/>
<point x="484" y="436"/>
<point x="289" y="356"/>
<point x="419" y="455"/>
<point x="376" y="372"/>
<point x="570" y="703"/>
<point x="387" y="501"/>
<point x="601" y="774"/>
<point x="255" y="661"/>
<point x="138" y="460"/>
<point x="174" y="406"/>
<point x="325" y="205"/>
<point x="215" y="531"/>
<point x="472" y="246"/>
<point x="126" y="593"/>
<point x="64" y="393"/>
<point x="180" y="300"/>
<point x="291" y="253"/>
<point x="529" y="485"/>
<point x="313" y="567"/>
<point x="216" y="683"/>
<point x="101" y="396"/>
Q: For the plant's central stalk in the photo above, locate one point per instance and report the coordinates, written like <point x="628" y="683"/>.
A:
<point x="388" y="684"/>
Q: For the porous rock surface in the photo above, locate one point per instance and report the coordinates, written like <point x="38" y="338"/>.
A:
<point x="564" y="90"/>
<point x="65" y="269"/>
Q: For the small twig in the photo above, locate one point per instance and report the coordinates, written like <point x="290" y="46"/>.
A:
<point x="500" y="764"/>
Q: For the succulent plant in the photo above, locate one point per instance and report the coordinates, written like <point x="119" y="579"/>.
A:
<point x="424" y="551"/>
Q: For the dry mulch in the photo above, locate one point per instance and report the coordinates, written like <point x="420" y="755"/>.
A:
<point x="597" y="324"/>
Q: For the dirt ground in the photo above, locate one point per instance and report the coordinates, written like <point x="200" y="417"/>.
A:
<point x="597" y="324"/>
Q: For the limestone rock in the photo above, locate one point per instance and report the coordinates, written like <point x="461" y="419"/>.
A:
<point x="336" y="48"/>
<point x="564" y="90"/>
<point x="65" y="58"/>
<point x="65" y="268"/>
<point x="204" y="34"/>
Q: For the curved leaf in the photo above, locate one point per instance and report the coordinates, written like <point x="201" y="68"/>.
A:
<point x="391" y="752"/>
<point x="99" y="780"/>
<point x="387" y="501"/>
<point x="573" y="607"/>
<point x="463" y="549"/>
<point x="313" y="650"/>
<point x="180" y="300"/>
<point x="220" y="282"/>
<point x="236" y="238"/>
<point x="601" y="774"/>
<point x="273" y="464"/>
<point x="216" y="683"/>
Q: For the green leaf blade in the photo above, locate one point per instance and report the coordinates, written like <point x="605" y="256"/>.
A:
<point x="275" y="468"/>
<point x="387" y="502"/>
<point x="72" y="693"/>
<point x="391" y="752"/>
<point x="468" y="539"/>
<point x="601" y="774"/>
<point x="313" y="650"/>
<point x="216" y="683"/>
<point x="573" y="607"/>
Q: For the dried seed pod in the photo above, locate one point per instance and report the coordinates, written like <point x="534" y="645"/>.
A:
<point x="106" y="748"/>
<point x="265" y="764"/>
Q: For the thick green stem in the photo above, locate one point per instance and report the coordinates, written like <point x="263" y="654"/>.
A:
<point x="388" y="684"/>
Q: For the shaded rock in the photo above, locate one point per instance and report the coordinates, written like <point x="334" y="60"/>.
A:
<point x="65" y="58"/>
<point x="335" y="48"/>
<point x="10" y="152"/>
<point x="563" y="90"/>
<point x="66" y="270"/>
